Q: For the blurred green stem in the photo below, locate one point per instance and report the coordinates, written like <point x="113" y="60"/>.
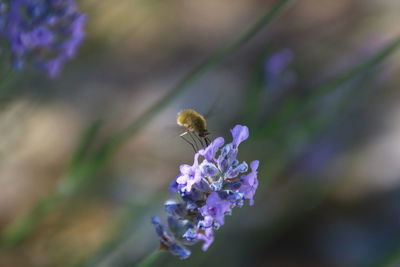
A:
<point x="293" y="106"/>
<point x="5" y="82"/>
<point x="150" y="259"/>
<point x="24" y="225"/>
<point x="391" y="259"/>
<point x="7" y="73"/>
<point x="79" y="172"/>
<point x="6" y="79"/>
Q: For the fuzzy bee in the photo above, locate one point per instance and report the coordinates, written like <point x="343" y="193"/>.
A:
<point x="195" y="125"/>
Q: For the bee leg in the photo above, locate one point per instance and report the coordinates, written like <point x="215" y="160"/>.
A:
<point x="207" y="141"/>
<point x="187" y="141"/>
<point x="200" y="140"/>
<point x="194" y="140"/>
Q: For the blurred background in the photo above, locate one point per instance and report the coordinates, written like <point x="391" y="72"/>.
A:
<point x="326" y="132"/>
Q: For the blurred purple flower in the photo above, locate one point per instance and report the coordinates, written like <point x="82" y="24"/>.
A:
<point x="208" y="191"/>
<point x="42" y="33"/>
<point x="277" y="71"/>
<point x="279" y="61"/>
<point x="319" y="155"/>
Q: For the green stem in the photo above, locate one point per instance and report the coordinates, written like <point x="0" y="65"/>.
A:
<point x="7" y="74"/>
<point x="15" y="232"/>
<point x="345" y="77"/>
<point x="150" y="259"/>
<point x="5" y="82"/>
<point x="390" y="259"/>
<point x="294" y="106"/>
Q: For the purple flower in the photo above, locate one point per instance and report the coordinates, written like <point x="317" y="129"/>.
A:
<point x="43" y="33"/>
<point x="190" y="175"/>
<point x="168" y="240"/>
<point x="174" y="208"/>
<point x="215" y="208"/>
<point x="278" y="62"/>
<point x="207" y="236"/>
<point x="235" y="198"/>
<point x="239" y="133"/>
<point x="277" y="71"/>
<point x="208" y="169"/>
<point x="208" y="191"/>
<point x="190" y="235"/>
<point x="250" y="183"/>
<point x="209" y="152"/>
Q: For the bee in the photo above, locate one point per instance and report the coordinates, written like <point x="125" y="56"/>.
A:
<point x="195" y="124"/>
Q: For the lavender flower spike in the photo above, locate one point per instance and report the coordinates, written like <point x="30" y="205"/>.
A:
<point x="207" y="191"/>
<point x="41" y="33"/>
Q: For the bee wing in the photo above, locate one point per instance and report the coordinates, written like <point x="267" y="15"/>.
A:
<point x="174" y="130"/>
<point x="213" y="109"/>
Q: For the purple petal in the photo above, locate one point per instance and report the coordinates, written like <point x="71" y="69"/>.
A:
<point x="250" y="183"/>
<point x="174" y="208"/>
<point x="216" y="208"/>
<point x="196" y="160"/>
<point x="168" y="239"/>
<point x="279" y="61"/>
<point x="235" y="171"/>
<point x="206" y="222"/>
<point x="183" y="179"/>
<point x="213" y="199"/>
<point x="53" y="66"/>
<point x="185" y="169"/>
<point x="209" y="152"/>
<point x="189" y="185"/>
<point x="239" y="134"/>
<point x="190" y="235"/>
<point x="227" y="157"/>
<point x="254" y="165"/>
<point x="173" y="186"/>
<point x="208" y="169"/>
<point x="207" y="237"/>
<point x="180" y="251"/>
